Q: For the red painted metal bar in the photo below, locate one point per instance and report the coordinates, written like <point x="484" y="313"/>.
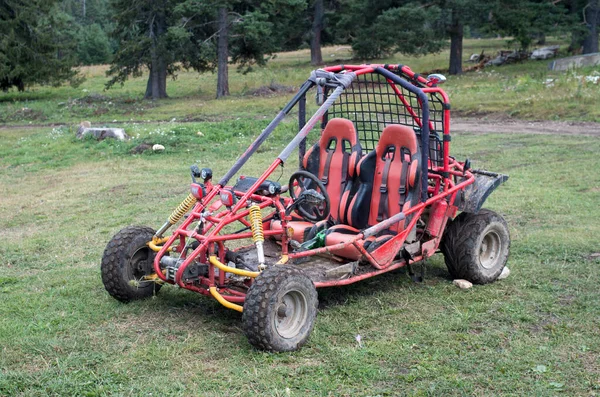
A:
<point x="241" y="215"/>
<point x="226" y="220"/>
<point x="351" y="280"/>
<point x="336" y="247"/>
<point x="405" y="103"/>
<point x="198" y="208"/>
<point x="203" y="291"/>
<point x="240" y="236"/>
<point x="388" y="251"/>
<point x="404" y="69"/>
<point x="408" y="71"/>
<point x="233" y="292"/>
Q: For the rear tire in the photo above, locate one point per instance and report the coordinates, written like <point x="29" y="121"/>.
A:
<point x="280" y="309"/>
<point x="476" y="246"/>
<point x="126" y="260"/>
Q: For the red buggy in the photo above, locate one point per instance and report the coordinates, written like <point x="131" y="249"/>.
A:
<point x="378" y="191"/>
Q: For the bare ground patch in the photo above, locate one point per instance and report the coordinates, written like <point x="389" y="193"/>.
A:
<point x="512" y="126"/>
<point x="458" y="125"/>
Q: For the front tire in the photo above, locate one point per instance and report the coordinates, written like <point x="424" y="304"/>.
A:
<point x="280" y="309"/>
<point x="476" y="246"/>
<point x="126" y="260"/>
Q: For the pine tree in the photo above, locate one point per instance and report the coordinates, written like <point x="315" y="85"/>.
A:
<point x="377" y="29"/>
<point x="527" y="19"/>
<point x="247" y="33"/>
<point x="167" y="35"/>
<point x="35" y="45"/>
<point x="142" y="29"/>
<point x="90" y="23"/>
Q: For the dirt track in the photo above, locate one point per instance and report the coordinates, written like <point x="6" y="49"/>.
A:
<point x="468" y="125"/>
<point x="512" y="126"/>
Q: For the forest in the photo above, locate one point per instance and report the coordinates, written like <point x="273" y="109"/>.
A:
<point x="43" y="41"/>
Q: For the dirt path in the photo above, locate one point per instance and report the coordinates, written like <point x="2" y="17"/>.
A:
<point x="458" y="125"/>
<point x="511" y="126"/>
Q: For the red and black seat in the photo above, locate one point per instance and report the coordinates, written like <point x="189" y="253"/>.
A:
<point x="333" y="159"/>
<point x="388" y="180"/>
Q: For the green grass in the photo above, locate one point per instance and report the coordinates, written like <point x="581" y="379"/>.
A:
<point x="532" y="334"/>
<point x="535" y="333"/>
<point x="507" y="91"/>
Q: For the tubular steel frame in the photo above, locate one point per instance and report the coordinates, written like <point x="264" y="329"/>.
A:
<point x="441" y="181"/>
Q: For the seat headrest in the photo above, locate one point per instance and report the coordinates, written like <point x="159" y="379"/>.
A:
<point x="399" y="136"/>
<point x="342" y="129"/>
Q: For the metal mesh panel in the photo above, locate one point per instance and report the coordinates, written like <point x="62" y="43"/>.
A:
<point x="371" y="102"/>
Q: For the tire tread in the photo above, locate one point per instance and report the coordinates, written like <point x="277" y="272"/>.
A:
<point x="255" y="317"/>
<point x="110" y="267"/>
<point x="460" y="240"/>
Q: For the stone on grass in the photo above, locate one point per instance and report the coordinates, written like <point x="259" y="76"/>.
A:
<point x="505" y="273"/>
<point x="595" y="255"/>
<point x="158" y="148"/>
<point x="141" y="148"/>
<point x="85" y="128"/>
<point x="462" y="284"/>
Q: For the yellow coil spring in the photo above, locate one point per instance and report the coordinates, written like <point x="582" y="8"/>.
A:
<point x="256" y="223"/>
<point x="184" y="207"/>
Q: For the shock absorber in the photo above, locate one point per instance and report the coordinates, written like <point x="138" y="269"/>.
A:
<point x="176" y="215"/>
<point x="258" y="235"/>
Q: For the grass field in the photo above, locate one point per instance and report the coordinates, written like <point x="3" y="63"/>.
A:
<point x="535" y="333"/>
<point x="517" y="91"/>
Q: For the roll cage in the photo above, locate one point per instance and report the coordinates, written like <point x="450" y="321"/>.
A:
<point x="372" y="96"/>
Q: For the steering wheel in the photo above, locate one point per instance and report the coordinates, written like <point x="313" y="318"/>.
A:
<point x="311" y="200"/>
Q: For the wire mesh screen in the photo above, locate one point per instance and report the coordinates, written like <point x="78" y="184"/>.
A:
<point x="372" y="103"/>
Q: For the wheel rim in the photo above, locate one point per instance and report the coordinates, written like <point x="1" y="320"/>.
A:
<point x="490" y="249"/>
<point x="138" y="265"/>
<point x="291" y="314"/>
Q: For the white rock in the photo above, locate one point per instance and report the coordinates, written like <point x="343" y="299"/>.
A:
<point x="462" y="284"/>
<point x="102" y="133"/>
<point x="505" y="273"/>
<point x="158" y="148"/>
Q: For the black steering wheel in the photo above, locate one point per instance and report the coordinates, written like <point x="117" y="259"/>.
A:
<point x="311" y="200"/>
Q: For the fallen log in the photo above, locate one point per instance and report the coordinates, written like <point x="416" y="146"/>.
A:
<point x="102" y="133"/>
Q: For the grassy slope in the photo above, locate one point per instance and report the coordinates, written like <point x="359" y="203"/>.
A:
<point x="532" y="334"/>
<point x="513" y="91"/>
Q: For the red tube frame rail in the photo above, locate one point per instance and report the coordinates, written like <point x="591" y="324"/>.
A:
<point x="381" y="259"/>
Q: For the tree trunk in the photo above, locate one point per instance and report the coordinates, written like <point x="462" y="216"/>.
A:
<point x="316" y="58"/>
<point x="574" y="13"/>
<point x="456" y="43"/>
<point x="592" y="18"/>
<point x="223" y="55"/>
<point x="156" y="88"/>
<point x="541" y="39"/>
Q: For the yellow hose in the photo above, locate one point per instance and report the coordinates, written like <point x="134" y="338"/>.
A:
<point x="223" y="301"/>
<point x="225" y="268"/>
<point x="155" y="244"/>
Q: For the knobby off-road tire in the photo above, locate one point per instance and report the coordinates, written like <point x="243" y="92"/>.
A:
<point x="126" y="260"/>
<point x="476" y="246"/>
<point x="280" y="309"/>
